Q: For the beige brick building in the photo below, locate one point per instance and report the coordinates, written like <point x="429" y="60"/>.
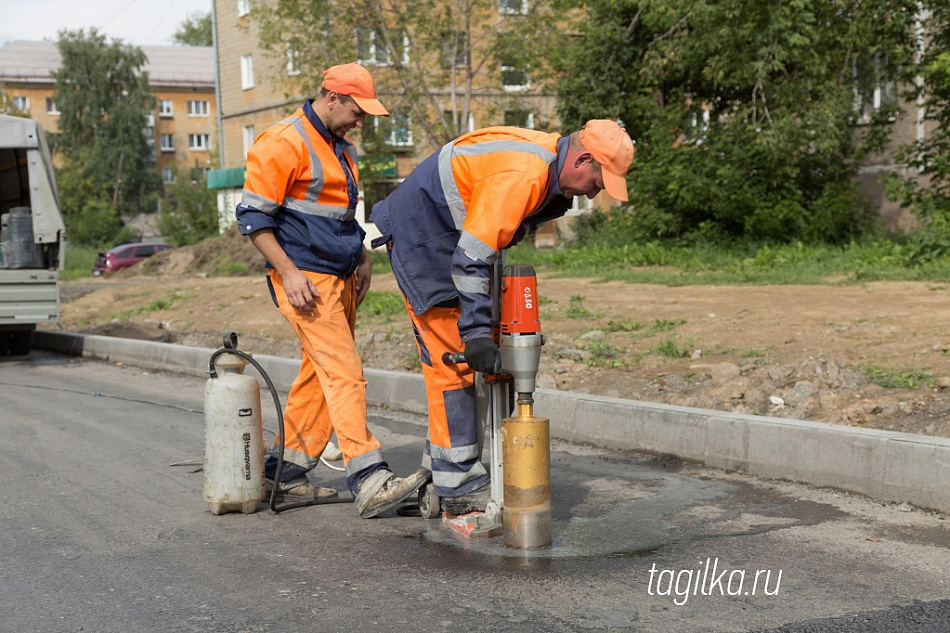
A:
<point x="182" y="78"/>
<point x="257" y="90"/>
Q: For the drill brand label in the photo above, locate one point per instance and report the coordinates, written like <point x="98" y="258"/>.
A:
<point x="247" y="456"/>
<point x="528" y="297"/>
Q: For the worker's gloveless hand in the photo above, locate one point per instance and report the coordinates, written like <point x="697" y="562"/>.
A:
<point x="482" y="355"/>
<point x="300" y="291"/>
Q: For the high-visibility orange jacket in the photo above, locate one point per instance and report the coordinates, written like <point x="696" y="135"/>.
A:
<point x="302" y="182"/>
<point x="451" y="217"/>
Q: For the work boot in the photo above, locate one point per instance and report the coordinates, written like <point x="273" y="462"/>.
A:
<point x="383" y="490"/>
<point x="475" y="501"/>
<point x="300" y="488"/>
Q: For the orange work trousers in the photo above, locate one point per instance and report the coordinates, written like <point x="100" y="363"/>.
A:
<point x="452" y="450"/>
<point x="329" y="393"/>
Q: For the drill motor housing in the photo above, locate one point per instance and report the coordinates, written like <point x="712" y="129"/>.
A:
<point x="520" y="328"/>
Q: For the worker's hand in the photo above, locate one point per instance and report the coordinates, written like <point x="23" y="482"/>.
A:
<point x="363" y="274"/>
<point x="301" y="292"/>
<point x="482" y="355"/>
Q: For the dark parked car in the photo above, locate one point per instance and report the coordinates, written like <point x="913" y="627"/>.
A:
<point x="124" y="255"/>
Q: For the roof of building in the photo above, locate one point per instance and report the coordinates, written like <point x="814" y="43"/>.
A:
<point x="168" y="66"/>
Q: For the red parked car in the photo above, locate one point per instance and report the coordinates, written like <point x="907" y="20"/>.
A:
<point x="124" y="255"/>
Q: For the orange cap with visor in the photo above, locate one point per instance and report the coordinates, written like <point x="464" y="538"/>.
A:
<point x="355" y="82"/>
<point x="611" y="147"/>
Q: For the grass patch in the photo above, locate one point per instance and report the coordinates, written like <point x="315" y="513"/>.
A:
<point x="79" y="262"/>
<point x="162" y="304"/>
<point x="899" y="379"/>
<point x="576" y="309"/>
<point x="669" y="349"/>
<point x="387" y="304"/>
<point x="755" y="352"/>
<point x="603" y="354"/>
<point x="623" y="326"/>
<point x="675" y="264"/>
<point x="232" y="268"/>
<point x="663" y="325"/>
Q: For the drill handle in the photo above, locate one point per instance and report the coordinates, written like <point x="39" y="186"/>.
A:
<point x="453" y="358"/>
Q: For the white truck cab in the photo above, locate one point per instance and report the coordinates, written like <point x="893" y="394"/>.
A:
<point x="32" y="234"/>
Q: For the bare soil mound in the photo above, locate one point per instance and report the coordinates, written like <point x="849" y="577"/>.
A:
<point x="805" y="352"/>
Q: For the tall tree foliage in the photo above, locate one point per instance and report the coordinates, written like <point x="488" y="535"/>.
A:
<point x="430" y="60"/>
<point x="104" y="100"/>
<point x="190" y="212"/>
<point x="194" y="30"/>
<point x="743" y="111"/>
<point x="926" y="188"/>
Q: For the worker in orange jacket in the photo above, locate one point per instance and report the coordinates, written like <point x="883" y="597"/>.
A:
<point x="444" y="227"/>
<point x="298" y="207"/>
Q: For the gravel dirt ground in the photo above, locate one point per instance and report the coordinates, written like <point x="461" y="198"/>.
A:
<point x="805" y="352"/>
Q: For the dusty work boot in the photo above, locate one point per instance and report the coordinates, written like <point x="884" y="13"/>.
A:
<point x="383" y="490"/>
<point x="475" y="501"/>
<point x="300" y="488"/>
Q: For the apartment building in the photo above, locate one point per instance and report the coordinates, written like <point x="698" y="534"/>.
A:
<point x="182" y="78"/>
<point x="258" y="88"/>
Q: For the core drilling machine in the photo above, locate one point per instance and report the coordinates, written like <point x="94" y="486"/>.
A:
<point x="519" y="445"/>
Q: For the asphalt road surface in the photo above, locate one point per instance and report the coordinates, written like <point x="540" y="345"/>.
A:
<point x="103" y="528"/>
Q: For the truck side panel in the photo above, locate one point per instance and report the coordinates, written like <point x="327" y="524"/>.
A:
<point x="29" y="297"/>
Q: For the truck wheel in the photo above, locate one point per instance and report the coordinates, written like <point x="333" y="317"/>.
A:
<point x="20" y="342"/>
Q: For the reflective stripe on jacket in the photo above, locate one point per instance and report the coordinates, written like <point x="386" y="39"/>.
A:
<point x="302" y="182"/>
<point x="451" y="217"/>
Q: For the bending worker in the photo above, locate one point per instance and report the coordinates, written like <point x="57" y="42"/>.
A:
<point x="444" y="227"/>
<point x="298" y="209"/>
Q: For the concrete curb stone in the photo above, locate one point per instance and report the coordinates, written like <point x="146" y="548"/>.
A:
<point x="883" y="465"/>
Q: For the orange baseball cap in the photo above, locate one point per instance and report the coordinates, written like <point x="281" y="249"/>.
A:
<point x="354" y="81"/>
<point x="610" y="145"/>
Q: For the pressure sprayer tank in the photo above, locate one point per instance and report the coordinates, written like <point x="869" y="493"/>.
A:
<point x="234" y="446"/>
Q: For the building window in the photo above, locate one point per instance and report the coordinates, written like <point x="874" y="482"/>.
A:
<point x="199" y="108"/>
<point x="51" y="107"/>
<point x="394" y="131"/>
<point x="243" y="7"/>
<point x="21" y="104"/>
<point x="400" y="130"/>
<point x="514" y="78"/>
<point x="247" y="72"/>
<point x="248" y="139"/>
<point x="519" y="118"/>
<point x="165" y="108"/>
<point x="199" y="142"/>
<point x="168" y="175"/>
<point x="452" y="47"/>
<point x="371" y="49"/>
<point x="873" y="90"/>
<point x="293" y="62"/>
<point x="513" y="7"/>
<point x="167" y="142"/>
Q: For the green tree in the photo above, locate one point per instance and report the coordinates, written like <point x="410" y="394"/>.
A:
<point x="190" y="213"/>
<point x="743" y="111"/>
<point x="104" y="100"/>
<point x="433" y="63"/>
<point x="926" y="188"/>
<point x="195" y="30"/>
<point x="430" y="61"/>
